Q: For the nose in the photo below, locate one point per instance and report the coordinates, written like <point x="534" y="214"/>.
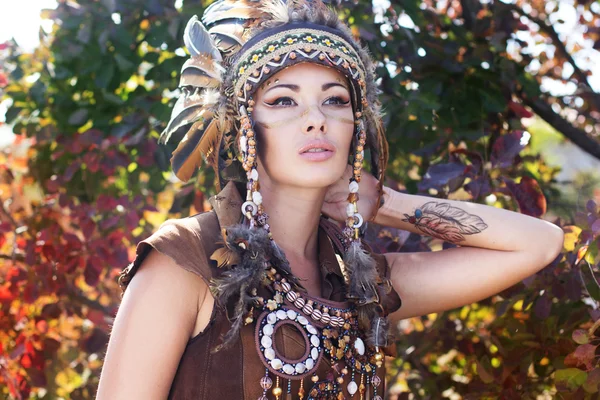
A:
<point x="315" y="121"/>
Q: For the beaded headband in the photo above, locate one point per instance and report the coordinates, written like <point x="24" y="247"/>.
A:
<point x="292" y="44"/>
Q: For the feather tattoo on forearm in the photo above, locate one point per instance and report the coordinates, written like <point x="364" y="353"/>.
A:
<point x="442" y="221"/>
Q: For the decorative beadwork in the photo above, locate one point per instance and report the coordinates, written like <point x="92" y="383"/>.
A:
<point x="309" y="44"/>
<point x="266" y="327"/>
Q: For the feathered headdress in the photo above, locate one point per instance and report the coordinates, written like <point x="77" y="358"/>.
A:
<point x="223" y="49"/>
<point x="237" y="46"/>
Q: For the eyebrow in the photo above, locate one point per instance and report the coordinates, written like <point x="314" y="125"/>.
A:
<point x="296" y="88"/>
<point x="332" y="84"/>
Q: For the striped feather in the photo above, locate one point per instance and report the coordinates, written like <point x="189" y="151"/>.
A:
<point x="198" y="41"/>
<point x="200" y="143"/>
<point x="188" y="108"/>
<point x="231" y="9"/>
<point x="228" y="36"/>
<point x="201" y="71"/>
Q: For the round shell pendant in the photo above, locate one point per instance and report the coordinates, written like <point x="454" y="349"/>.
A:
<point x="267" y="325"/>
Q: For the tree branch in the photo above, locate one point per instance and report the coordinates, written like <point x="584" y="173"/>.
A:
<point x="576" y="135"/>
<point x="562" y="49"/>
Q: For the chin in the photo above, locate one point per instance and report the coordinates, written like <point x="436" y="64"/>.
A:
<point x="317" y="176"/>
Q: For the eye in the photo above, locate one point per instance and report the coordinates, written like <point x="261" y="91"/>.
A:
<point x="336" y="100"/>
<point x="282" y="102"/>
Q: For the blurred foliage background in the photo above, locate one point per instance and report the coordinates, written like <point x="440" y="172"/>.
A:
<point x="486" y="101"/>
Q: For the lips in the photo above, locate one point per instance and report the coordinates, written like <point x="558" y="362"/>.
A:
<point x="317" y="146"/>
<point x="317" y="150"/>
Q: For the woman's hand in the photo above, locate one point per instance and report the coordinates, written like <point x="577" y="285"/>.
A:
<point x="336" y="198"/>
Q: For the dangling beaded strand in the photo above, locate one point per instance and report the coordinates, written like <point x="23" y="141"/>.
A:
<point x="252" y="208"/>
<point x="355" y="219"/>
<point x="265" y="383"/>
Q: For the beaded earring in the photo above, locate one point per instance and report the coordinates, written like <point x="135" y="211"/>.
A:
<point x="252" y="208"/>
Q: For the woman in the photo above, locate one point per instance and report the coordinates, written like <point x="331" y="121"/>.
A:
<point x="239" y="304"/>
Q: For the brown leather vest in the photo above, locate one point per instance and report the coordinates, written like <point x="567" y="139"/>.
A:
<point x="235" y="373"/>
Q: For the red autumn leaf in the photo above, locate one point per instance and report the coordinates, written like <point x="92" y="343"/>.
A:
<point x="5" y="227"/>
<point x="26" y="361"/>
<point x="5" y="294"/>
<point x="92" y="161"/>
<point x="584" y="355"/>
<point x="132" y="220"/>
<point x="3" y="79"/>
<point x="15" y="274"/>
<point x="88" y="226"/>
<point x="528" y="195"/>
<point x="41" y="326"/>
<point x="93" y="268"/>
<point x="519" y="110"/>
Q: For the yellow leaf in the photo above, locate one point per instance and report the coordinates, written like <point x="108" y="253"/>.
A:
<point x="68" y="379"/>
<point x="571" y="237"/>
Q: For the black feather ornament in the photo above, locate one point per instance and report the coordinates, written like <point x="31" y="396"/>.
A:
<point x="256" y="253"/>
<point x="379" y="336"/>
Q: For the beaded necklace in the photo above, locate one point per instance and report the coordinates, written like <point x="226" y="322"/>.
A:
<point x="330" y="335"/>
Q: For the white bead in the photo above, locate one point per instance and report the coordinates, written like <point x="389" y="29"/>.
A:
<point x="244" y="144"/>
<point x="300" y="368"/>
<point x="272" y="318"/>
<point x="268" y="329"/>
<point x="359" y="345"/>
<point x="311" y="329"/>
<point x="302" y="320"/>
<point x="292" y="314"/>
<point x="281" y="314"/>
<point x="353" y="187"/>
<point x="254" y="174"/>
<point x="257" y="198"/>
<point x="269" y="353"/>
<point x="266" y="342"/>
<point x="359" y="221"/>
<point x="350" y="210"/>
<point x="310" y="363"/>
<point x="314" y="340"/>
<point x="288" y="369"/>
<point x="314" y="353"/>
<point x="352" y="388"/>
<point x="276" y="363"/>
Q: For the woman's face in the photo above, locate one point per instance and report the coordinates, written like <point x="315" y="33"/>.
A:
<point x="305" y="124"/>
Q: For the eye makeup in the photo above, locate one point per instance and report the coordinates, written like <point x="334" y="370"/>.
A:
<point x="302" y="115"/>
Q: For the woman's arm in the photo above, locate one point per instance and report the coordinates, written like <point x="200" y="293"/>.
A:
<point x="500" y="249"/>
<point x="155" y="320"/>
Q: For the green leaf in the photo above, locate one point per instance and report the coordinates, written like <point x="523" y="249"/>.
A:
<point x="580" y="336"/>
<point x="573" y="378"/>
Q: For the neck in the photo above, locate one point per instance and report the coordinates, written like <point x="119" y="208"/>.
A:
<point x="294" y="214"/>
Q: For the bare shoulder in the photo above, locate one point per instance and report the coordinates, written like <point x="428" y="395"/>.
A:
<point x="160" y="310"/>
